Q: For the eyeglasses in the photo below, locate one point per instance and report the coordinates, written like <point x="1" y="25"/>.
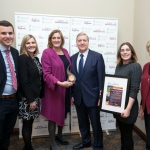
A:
<point x="123" y="50"/>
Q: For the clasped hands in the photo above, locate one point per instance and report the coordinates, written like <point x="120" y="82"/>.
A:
<point x="32" y="105"/>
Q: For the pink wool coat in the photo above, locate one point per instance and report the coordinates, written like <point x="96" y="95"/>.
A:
<point x="53" y="102"/>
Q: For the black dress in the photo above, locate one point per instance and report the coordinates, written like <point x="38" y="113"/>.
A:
<point x="67" y="96"/>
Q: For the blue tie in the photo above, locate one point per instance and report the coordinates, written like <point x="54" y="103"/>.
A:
<point x="81" y="65"/>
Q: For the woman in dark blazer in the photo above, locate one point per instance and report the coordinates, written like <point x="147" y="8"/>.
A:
<point x="30" y="71"/>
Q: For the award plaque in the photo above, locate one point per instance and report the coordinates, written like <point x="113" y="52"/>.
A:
<point x="71" y="76"/>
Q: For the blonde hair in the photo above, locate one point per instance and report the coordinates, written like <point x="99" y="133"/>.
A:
<point x="80" y="34"/>
<point x="133" y="56"/>
<point x="23" y="45"/>
<point x="148" y="45"/>
<point x="50" y="38"/>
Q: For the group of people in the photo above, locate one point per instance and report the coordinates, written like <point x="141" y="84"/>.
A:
<point x="24" y="81"/>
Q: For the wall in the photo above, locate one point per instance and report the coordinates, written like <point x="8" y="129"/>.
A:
<point x="121" y="9"/>
<point x="141" y="35"/>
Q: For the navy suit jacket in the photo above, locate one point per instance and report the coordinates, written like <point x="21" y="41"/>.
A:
<point x="3" y="75"/>
<point x="91" y="82"/>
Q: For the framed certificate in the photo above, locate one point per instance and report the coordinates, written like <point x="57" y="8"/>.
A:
<point x="115" y="93"/>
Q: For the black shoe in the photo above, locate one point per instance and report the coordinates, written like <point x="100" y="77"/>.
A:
<point x="61" y="142"/>
<point x="80" y="146"/>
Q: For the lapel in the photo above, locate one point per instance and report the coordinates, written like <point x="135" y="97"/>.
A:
<point x="2" y="62"/>
<point x="67" y="55"/>
<point x="33" y="63"/>
<point x="87" y="63"/>
<point x="75" y="63"/>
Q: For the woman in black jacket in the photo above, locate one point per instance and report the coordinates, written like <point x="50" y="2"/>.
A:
<point x="30" y="72"/>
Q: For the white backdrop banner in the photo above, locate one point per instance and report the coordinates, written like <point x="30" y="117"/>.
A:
<point x="102" y="34"/>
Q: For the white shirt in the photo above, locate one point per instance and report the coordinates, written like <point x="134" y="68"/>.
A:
<point x="8" y="89"/>
<point x="85" y="54"/>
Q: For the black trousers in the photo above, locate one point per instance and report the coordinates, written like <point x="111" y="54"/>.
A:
<point x="126" y="135"/>
<point x="147" y="127"/>
<point x="84" y="114"/>
<point x="8" y="116"/>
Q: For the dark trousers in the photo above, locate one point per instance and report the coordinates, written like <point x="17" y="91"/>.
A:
<point x="8" y="116"/>
<point x="84" y="113"/>
<point x="147" y="127"/>
<point x="126" y="135"/>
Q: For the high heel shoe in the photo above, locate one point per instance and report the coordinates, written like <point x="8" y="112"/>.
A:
<point x="61" y="142"/>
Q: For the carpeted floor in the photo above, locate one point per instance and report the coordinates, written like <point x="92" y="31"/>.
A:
<point x="111" y="142"/>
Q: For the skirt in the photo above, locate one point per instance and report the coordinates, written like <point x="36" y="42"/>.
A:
<point x="25" y="113"/>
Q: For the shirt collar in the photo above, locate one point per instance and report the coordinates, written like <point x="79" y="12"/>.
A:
<point x="3" y="48"/>
<point x="85" y="53"/>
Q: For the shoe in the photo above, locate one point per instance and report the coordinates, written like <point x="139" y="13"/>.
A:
<point x="61" y="142"/>
<point x="80" y="146"/>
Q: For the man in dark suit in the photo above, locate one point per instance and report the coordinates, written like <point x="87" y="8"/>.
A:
<point x="8" y="83"/>
<point x="89" y="69"/>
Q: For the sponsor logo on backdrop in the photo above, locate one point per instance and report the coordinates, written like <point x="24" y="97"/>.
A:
<point x="22" y="19"/>
<point x="112" y="67"/>
<point x="111" y="23"/>
<point x="75" y="29"/>
<point x="109" y="30"/>
<point x="110" y="121"/>
<point x="61" y="21"/>
<point x="101" y="45"/>
<point x="92" y="38"/>
<point x="112" y="38"/>
<point x="21" y="27"/>
<point x="39" y="37"/>
<point x="74" y="45"/>
<point x="102" y="38"/>
<point x="99" y="31"/>
<point x="35" y="19"/>
<point x="40" y="127"/>
<point x="66" y="37"/>
<point x="46" y="29"/>
<point x="86" y="29"/>
<point x="109" y="53"/>
<point x="87" y="22"/>
<point x="111" y="45"/>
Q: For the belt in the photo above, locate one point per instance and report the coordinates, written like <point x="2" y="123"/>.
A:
<point x="8" y="96"/>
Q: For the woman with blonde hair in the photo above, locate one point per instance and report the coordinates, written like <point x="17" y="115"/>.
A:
<point x="30" y="71"/>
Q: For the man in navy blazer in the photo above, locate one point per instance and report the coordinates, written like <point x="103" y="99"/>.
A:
<point x="8" y="90"/>
<point x="89" y="70"/>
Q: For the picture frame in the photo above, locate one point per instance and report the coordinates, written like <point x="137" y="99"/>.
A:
<point x="115" y="93"/>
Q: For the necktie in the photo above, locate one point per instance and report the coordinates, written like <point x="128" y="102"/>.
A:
<point x="14" y="80"/>
<point x="81" y="65"/>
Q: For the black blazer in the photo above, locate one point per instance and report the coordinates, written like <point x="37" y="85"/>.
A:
<point x="30" y="82"/>
<point x="3" y="75"/>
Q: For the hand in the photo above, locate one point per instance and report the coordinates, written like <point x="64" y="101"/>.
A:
<point x="65" y="84"/>
<point x="125" y="113"/>
<point x="141" y="114"/>
<point x="72" y="101"/>
<point x="98" y="103"/>
<point x="32" y="105"/>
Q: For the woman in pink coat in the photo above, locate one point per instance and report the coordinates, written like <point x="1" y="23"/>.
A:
<point x="56" y="100"/>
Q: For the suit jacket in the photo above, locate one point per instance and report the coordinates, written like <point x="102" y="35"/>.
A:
<point x="3" y="75"/>
<point x="91" y="82"/>
<point x="30" y="83"/>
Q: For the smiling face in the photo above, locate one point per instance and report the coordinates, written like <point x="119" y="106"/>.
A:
<point x="82" y="43"/>
<point x="31" y="46"/>
<point x="56" y="40"/>
<point x="6" y="36"/>
<point x="125" y="53"/>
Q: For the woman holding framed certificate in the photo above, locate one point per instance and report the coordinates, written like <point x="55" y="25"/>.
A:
<point x="127" y="66"/>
